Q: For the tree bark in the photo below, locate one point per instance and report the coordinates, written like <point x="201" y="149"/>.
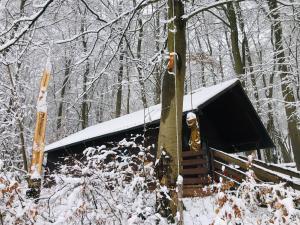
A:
<point x="120" y="78"/>
<point x="138" y="53"/>
<point x="158" y="67"/>
<point x="247" y="55"/>
<point x="202" y="70"/>
<point x="84" y="104"/>
<point x="15" y="101"/>
<point x="62" y="93"/>
<point x="234" y="37"/>
<point x="170" y="132"/>
<point x="128" y="88"/>
<point x="22" y="7"/>
<point x="287" y="90"/>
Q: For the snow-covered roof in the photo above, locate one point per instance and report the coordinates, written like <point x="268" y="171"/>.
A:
<point x="199" y="97"/>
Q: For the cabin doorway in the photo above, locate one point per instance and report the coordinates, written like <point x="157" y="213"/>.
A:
<point x="194" y="155"/>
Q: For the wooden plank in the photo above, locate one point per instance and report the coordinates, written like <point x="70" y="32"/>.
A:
<point x="197" y="180"/>
<point x="261" y="173"/>
<point x="195" y="171"/>
<point x="229" y="171"/>
<point x="226" y="178"/>
<point x="193" y="162"/>
<point x="274" y="167"/>
<point x="191" y="153"/>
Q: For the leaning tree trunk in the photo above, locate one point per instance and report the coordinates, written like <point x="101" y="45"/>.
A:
<point x="128" y="88"/>
<point x="84" y="104"/>
<point x="139" y="56"/>
<point x="246" y="55"/>
<point x="159" y="65"/>
<point x="120" y="78"/>
<point x="14" y="100"/>
<point x="62" y="94"/>
<point x="202" y="71"/>
<point x="170" y="135"/>
<point x="234" y="37"/>
<point x="287" y="90"/>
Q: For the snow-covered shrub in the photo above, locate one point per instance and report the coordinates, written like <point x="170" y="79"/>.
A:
<point x="14" y="207"/>
<point x="110" y="188"/>
<point x="256" y="203"/>
<point x="279" y="200"/>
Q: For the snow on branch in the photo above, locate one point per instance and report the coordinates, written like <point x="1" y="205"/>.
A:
<point x="288" y="3"/>
<point x="209" y="6"/>
<point x="32" y="19"/>
<point x="93" y="12"/>
<point x="141" y="5"/>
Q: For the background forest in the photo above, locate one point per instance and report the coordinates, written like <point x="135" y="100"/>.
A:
<point x="108" y="58"/>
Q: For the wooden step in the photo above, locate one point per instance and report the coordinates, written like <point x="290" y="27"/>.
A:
<point x="198" y="180"/>
<point x="197" y="191"/>
<point x="195" y="171"/>
<point x="193" y="162"/>
<point x="187" y="154"/>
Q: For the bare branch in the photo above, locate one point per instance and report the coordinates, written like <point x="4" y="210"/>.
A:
<point x="22" y="32"/>
<point x="210" y="6"/>
<point x="141" y="5"/>
<point x="93" y="12"/>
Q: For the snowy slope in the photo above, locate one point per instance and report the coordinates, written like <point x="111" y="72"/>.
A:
<point x="150" y="114"/>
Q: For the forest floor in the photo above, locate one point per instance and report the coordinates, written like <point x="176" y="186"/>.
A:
<point x="203" y="211"/>
<point x="113" y="189"/>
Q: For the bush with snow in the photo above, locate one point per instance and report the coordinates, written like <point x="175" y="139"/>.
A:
<point x="257" y="203"/>
<point x="109" y="188"/>
<point x="120" y="189"/>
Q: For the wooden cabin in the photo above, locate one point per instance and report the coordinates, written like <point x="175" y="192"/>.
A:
<point x="227" y="121"/>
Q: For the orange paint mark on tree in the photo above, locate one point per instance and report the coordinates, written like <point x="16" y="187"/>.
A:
<point x="171" y="62"/>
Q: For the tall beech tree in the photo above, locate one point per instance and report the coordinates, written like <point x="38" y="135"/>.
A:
<point x="169" y="140"/>
<point x="284" y="73"/>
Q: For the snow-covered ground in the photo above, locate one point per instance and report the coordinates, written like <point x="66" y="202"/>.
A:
<point x="203" y="211"/>
<point x="114" y="189"/>
<point x="199" y="211"/>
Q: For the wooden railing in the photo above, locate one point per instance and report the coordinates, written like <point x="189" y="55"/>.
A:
<point x="234" y="168"/>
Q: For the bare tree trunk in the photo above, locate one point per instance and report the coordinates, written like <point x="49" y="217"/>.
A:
<point x="121" y="71"/>
<point x="22" y="7"/>
<point x="234" y="37"/>
<point x="210" y="50"/>
<point x="202" y="71"/>
<point x="158" y="70"/>
<point x="62" y="93"/>
<point x="100" y="109"/>
<point x="228" y="45"/>
<point x="287" y="90"/>
<point x="23" y="146"/>
<point x="247" y="55"/>
<point x="84" y="104"/>
<point x="15" y="101"/>
<point x="120" y="78"/>
<point x="139" y="69"/>
<point x="220" y="60"/>
<point x="128" y="88"/>
<point x="102" y="100"/>
<point x="170" y="132"/>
